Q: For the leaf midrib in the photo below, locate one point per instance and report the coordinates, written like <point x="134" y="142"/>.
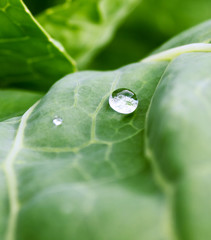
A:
<point x="11" y="176"/>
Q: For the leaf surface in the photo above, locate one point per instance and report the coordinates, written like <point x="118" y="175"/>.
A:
<point x="198" y="34"/>
<point x="90" y="178"/>
<point x="150" y="25"/>
<point x="29" y="58"/>
<point x="89" y="171"/>
<point x="16" y="102"/>
<point x="178" y="135"/>
<point x="85" y="26"/>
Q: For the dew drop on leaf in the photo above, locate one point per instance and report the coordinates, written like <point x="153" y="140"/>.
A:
<point x="123" y="101"/>
<point x="57" y="121"/>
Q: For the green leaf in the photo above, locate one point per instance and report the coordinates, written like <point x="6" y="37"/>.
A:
<point x="198" y="34"/>
<point x="88" y="176"/>
<point x="179" y="142"/>
<point x="85" y="26"/>
<point x="170" y="18"/>
<point x="150" y="25"/>
<point x="29" y="58"/>
<point x="16" y="102"/>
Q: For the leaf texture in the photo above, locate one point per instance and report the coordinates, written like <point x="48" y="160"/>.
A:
<point x="92" y="177"/>
<point x="29" y="58"/>
<point x="83" y="27"/>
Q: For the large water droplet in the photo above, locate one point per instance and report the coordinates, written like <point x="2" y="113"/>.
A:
<point x="57" y="121"/>
<point x="123" y="101"/>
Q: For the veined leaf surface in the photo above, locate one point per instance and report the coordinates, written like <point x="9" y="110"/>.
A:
<point x="29" y="57"/>
<point x="178" y="140"/>
<point x="85" y="26"/>
<point x="90" y="178"/>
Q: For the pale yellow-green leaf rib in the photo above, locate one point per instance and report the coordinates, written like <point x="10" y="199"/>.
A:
<point x="170" y="54"/>
<point x="11" y="176"/>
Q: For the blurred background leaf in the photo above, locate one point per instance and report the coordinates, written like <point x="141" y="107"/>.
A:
<point x="29" y="57"/>
<point x="16" y="102"/>
<point x="83" y="27"/>
<point x="151" y="24"/>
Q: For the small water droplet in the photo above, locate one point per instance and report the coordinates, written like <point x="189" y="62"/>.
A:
<point x="123" y="101"/>
<point x="57" y="121"/>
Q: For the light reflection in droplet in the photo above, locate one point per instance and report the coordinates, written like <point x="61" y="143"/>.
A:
<point x="57" y="121"/>
<point x="123" y="101"/>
